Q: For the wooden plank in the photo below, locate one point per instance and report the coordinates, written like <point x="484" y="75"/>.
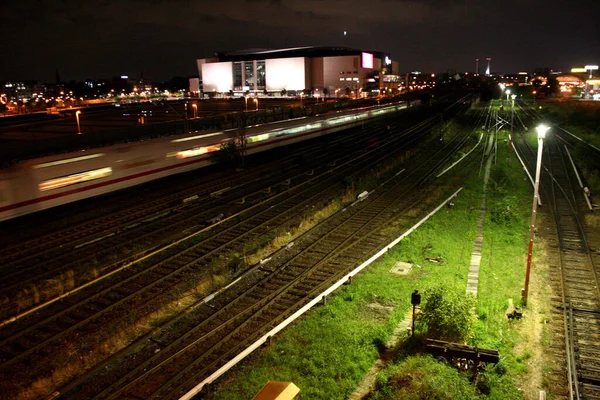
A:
<point x="277" y="391"/>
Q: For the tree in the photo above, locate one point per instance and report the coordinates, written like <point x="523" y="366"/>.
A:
<point x="326" y="92"/>
<point x="448" y="314"/>
<point x="283" y="92"/>
<point x="233" y="152"/>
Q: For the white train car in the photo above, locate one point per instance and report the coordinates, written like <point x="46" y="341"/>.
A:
<point x="46" y="182"/>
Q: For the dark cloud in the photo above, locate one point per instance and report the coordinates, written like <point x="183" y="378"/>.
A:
<point x="163" y="38"/>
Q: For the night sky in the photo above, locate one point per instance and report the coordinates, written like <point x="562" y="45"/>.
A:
<point x="161" y="39"/>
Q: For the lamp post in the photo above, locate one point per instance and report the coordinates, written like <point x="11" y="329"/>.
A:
<point x="195" y="110"/>
<point x="541" y="130"/>
<point x="77" y="118"/>
<point x="507" y="94"/>
<point x="301" y="96"/>
<point x="512" y="118"/>
<point x="534" y="93"/>
<point x="256" y="102"/>
<point x="246" y="102"/>
<point x="336" y="92"/>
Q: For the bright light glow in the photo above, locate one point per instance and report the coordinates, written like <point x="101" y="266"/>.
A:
<point x="217" y="77"/>
<point x="196" y="151"/>
<point x="591" y="67"/>
<point x="68" y="160"/>
<point x="124" y="77"/>
<point x="68" y="180"/>
<point x="578" y="70"/>
<point x="514" y="96"/>
<point x="541" y="130"/>
<point x="367" y="60"/>
<point x="185" y="139"/>
<point x="387" y="60"/>
<point x="285" y="73"/>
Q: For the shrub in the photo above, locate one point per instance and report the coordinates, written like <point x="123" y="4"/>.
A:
<point x="448" y="314"/>
<point x="425" y="378"/>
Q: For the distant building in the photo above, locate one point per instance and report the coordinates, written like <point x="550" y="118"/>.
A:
<point x="297" y="69"/>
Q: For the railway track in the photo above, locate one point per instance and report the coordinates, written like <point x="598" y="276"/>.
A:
<point x="159" y="224"/>
<point x="580" y="283"/>
<point x="141" y="286"/>
<point x="574" y="275"/>
<point x="217" y="332"/>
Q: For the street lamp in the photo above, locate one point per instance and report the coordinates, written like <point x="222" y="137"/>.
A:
<point x="77" y="117"/>
<point x="336" y="92"/>
<point x="507" y="94"/>
<point x="195" y="110"/>
<point x="541" y="130"/>
<point x="256" y="102"/>
<point x="246" y="102"/>
<point x="512" y="118"/>
<point x="534" y="93"/>
<point x="301" y="96"/>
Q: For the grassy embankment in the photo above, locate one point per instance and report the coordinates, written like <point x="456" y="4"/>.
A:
<point x="328" y="352"/>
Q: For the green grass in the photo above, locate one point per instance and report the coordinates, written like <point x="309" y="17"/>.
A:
<point x="327" y="353"/>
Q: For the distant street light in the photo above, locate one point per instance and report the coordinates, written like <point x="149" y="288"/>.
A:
<point x="301" y="96"/>
<point x="195" y="110"/>
<point x="77" y="118"/>
<point x="541" y="130"/>
<point x="336" y="92"/>
<point x="256" y="101"/>
<point x="507" y="94"/>
<point x="246" y="102"/>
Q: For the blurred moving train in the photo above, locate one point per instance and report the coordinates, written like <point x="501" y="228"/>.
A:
<point x="37" y="184"/>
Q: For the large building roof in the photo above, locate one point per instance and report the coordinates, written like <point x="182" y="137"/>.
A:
<point x="309" y="52"/>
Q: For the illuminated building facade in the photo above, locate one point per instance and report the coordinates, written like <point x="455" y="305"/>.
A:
<point x="293" y="70"/>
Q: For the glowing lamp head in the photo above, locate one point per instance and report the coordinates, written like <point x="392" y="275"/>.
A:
<point x="514" y="96"/>
<point x="541" y="130"/>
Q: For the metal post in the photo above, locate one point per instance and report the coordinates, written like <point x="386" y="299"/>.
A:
<point x="533" y="216"/>
<point x="413" y="321"/>
<point x="512" y="116"/>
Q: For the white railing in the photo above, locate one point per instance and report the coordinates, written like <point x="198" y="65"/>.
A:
<point x="194" y="391"/>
